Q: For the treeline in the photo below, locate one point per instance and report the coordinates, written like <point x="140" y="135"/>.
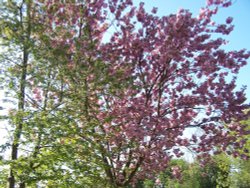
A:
<point x="221" y="172"/>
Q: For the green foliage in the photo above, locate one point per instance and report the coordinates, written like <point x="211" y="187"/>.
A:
<point x="241" y="173"/>
<point x="215" y="174"/>
<point x="241" y="178"/>
<point x="3" y="177"/>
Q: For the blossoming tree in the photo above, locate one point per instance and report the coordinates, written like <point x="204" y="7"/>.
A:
<point x="133" y="82"/>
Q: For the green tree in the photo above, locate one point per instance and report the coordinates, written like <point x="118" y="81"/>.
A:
<point x="188" y="177"/>
<point x="35" y="84"/>
<point x="16" y="35"/>
<point x="241" y="173"/>
<point x="217" y="172"/>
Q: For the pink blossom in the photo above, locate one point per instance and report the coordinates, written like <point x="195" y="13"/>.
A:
<point x="229" y="20"/>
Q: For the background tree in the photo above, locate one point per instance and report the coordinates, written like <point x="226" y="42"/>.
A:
<point x="216" y="173"/>
<point x="241" y="173"/>
<point x="181" y="174"/>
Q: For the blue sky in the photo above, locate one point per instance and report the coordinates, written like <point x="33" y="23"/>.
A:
<point x="238" y="39"/>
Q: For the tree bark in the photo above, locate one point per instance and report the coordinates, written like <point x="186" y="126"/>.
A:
<point x="21" y="94"/>
<point x="18" y="130"/>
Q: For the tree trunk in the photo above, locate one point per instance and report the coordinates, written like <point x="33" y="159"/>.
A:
<point x="18" y="130"/>
<point x="21" y="94"/>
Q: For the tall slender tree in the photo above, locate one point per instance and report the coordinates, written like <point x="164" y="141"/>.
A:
<point x="16" y="19"/>
<point x="29" y="80"/>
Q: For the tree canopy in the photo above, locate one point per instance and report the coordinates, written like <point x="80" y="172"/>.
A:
<point x="104" y="90"/>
